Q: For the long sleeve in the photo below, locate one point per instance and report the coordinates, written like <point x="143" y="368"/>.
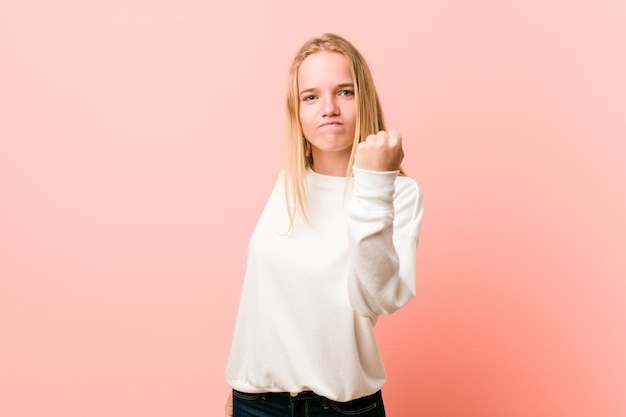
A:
<point x="384" y="219"/>
<point x="310" y="297"/>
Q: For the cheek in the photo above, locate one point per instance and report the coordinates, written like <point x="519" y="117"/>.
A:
<point x="349" y="110"/>
<point x="351" y="116"/>
<point x="305" y="118"/>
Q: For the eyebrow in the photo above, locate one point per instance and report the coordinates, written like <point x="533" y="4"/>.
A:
<point x="310" y="90"/>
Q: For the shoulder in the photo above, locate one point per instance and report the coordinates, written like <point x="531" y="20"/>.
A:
<point x="408" y="187"/>
<point x="408" y="195"/>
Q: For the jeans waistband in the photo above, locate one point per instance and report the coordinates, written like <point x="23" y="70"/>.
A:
<point x="302" y="395"/>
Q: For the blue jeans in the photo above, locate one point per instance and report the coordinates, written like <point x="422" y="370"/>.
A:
<point x="305" y="404"/>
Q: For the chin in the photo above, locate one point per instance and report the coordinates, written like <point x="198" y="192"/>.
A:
<point x="335" y="144"/>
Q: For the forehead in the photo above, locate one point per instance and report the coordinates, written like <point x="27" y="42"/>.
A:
<point x="324" y="68"/>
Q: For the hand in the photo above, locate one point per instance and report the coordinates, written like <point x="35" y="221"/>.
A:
<point x="380" y="152"/>
<point x="229" y="405"/>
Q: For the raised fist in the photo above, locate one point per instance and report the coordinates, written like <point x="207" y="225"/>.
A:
<point x="380" y="152"/>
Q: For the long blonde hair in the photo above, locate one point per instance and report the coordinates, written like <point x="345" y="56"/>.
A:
<point x="369" y="117"/>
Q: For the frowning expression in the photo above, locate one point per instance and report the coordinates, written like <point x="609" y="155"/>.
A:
<point x="327" y="103"/>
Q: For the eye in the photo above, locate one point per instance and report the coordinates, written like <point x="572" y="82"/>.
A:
<point x="346" y="93"/>
<point x="310" y="97"/>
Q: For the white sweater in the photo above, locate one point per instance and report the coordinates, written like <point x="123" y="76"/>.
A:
<point x="310" y="298"/>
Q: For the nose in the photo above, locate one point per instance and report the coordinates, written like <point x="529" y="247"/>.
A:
<point x="330" y="107"/>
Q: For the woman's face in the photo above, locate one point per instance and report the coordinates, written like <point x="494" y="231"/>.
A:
<point x="327" y="103"/>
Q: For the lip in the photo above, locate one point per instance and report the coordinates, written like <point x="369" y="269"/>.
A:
<point x="329" y="124"/>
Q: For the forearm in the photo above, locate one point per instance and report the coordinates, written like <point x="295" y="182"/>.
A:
<point x="382" y="245"/>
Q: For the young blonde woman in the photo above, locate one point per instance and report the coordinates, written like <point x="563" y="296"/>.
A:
<point x="334" y="249"/>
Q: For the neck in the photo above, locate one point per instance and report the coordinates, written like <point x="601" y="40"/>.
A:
<point x="331" y="163"/>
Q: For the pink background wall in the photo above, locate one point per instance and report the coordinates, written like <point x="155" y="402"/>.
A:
<point x="139" y="140"/>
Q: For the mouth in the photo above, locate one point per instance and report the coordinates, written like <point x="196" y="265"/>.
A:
<point x="330" y="124"/>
